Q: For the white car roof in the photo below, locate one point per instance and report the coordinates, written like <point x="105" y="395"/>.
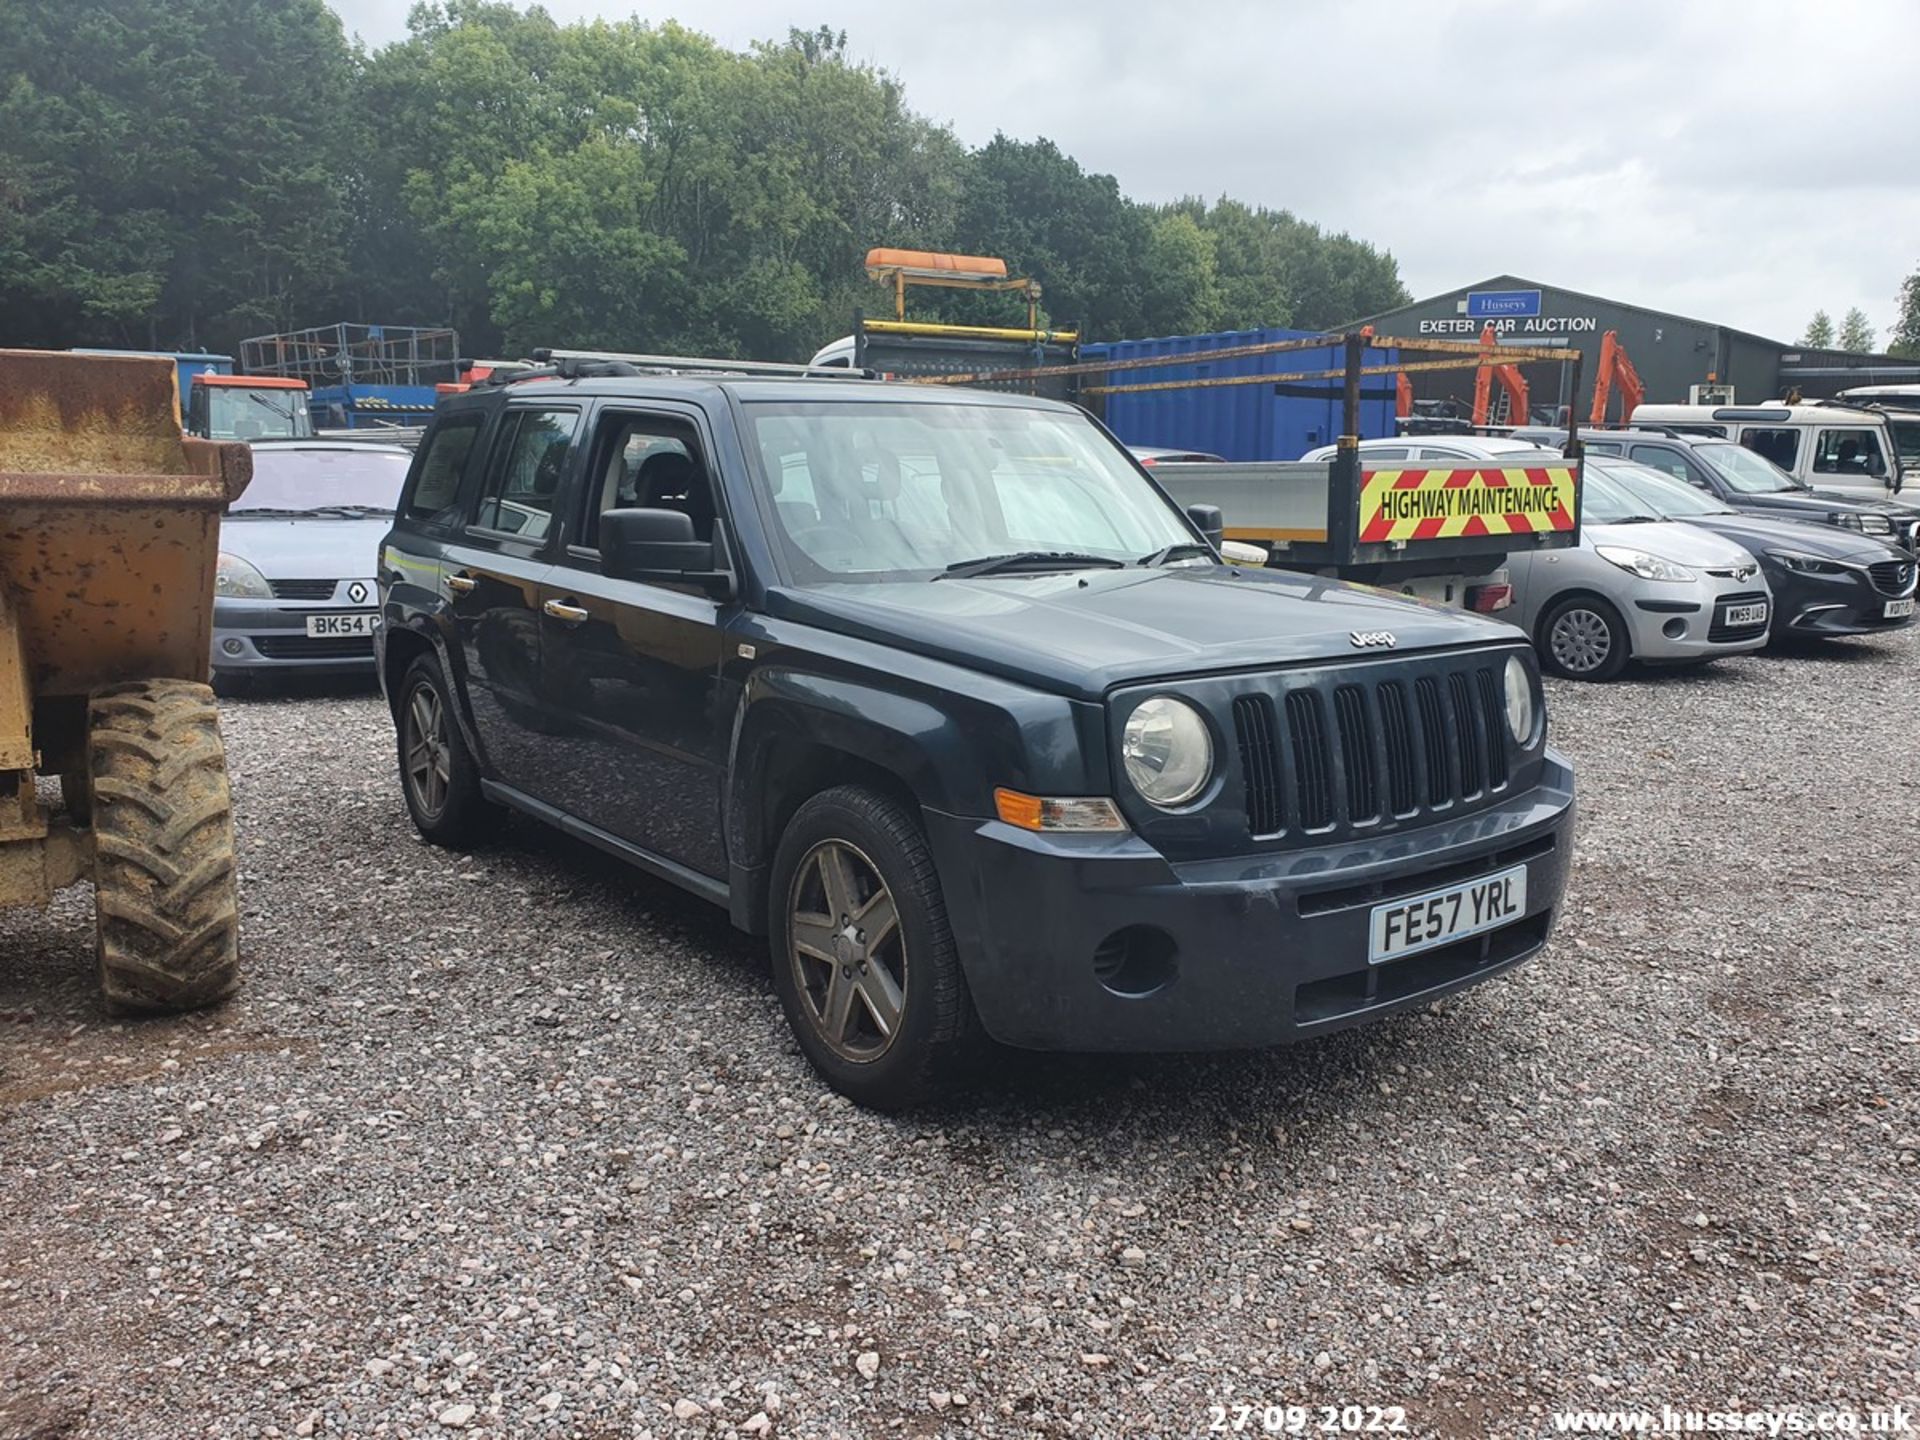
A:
<point x="1478" y="446"/>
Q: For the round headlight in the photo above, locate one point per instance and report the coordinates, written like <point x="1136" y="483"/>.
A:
<point x="1167" y="751"/>
<point x="1519" y="700"/>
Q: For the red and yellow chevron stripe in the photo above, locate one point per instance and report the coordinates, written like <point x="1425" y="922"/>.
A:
<point x="1431" y="504"/>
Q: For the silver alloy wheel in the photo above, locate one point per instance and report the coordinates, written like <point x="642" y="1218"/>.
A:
<point x="1581" y="641"/>
<point x="848" y="954"/>
<point x="429" y="767"/>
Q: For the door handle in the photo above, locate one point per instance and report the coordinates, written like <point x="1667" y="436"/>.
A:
<point x="462" y="584"/>
<point x="565" y="613"/>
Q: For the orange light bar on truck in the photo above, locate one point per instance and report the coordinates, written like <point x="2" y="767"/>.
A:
<point x="252" y="382"/>
<point x="1083" y="814"/>
<point x="935" y="262"/>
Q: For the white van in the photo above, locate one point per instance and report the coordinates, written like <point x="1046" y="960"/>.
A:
<point x="1821" y="443"/>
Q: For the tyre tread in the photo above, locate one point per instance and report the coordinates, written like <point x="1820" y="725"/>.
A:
<point x="164" y="895"/>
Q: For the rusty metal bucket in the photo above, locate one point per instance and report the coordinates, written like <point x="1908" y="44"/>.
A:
<point x="109" y="537"/>
<point x="109" y="521"/>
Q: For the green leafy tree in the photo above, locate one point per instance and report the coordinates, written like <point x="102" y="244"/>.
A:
<point x="1855" y="333"/>
<point x="1277" y="270"/>
<point x="1819" y="332"/>
<point x="171" y="174"/>
<point x="1181" y="288"/>
<point x="1906" y="327"/>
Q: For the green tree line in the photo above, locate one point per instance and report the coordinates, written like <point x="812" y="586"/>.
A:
<point x="182" y="173"/>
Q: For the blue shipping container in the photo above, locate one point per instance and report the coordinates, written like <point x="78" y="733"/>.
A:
<point x="1238" y="422"/>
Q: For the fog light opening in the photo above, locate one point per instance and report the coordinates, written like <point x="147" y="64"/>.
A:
<point x="232" y="647"/>
<point x="1674" y="629"/>
<point x="1135" y="961"/>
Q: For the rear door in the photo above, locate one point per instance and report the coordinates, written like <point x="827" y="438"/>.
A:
<point x="632" y="668"/>
<point x="492" y="570"/>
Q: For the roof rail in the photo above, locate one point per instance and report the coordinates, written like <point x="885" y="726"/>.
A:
<point x="561" y="360"/>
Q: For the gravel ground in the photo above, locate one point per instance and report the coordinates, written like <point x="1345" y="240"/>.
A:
<point x="517" y="1144"/>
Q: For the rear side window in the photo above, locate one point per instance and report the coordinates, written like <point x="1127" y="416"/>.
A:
<point x="1782" y="447"/>
<point x="523" y="481"/>
<point x="1604" y="447"/>
<point x="442" y="463"/>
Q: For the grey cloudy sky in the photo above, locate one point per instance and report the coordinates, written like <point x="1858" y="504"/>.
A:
<point x="1744" y="163"/>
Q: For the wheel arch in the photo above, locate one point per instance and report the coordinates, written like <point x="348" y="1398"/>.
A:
<point x="783" y="753"/>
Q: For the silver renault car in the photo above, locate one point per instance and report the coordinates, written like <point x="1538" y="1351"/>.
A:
<point x="294" y="589"/>
<point x="1636" y="588"/>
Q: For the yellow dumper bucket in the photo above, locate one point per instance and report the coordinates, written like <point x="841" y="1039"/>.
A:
<point x="109" y="520"/>
<point x="109" y="536"/>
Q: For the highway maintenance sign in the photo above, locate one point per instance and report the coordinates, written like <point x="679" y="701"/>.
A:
<point x="1478" y="500"/>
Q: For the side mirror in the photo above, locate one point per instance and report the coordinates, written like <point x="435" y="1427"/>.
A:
<point x="1208" y="520"/>
<point x="658" y="546"/>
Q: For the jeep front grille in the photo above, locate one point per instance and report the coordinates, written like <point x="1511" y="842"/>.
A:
<point x="1393" y="750"/>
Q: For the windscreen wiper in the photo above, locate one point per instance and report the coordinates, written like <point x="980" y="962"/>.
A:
<point x="1184" y="550"/>
<point x="266" y="510"/>
<point x="1029" y="560"/>
<point x="352" y="512"/>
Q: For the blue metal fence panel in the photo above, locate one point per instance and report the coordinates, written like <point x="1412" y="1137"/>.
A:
<point x="1238" y="422"/>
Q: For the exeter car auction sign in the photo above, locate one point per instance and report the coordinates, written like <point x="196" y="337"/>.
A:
<point x="1430" y="504"/>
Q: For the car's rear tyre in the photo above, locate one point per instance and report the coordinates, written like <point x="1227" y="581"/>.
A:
<point x="863" y="956"/>
<point x="438" y="776"/>
<point x="1582" y="637"/>
<point x="168" y="923"/>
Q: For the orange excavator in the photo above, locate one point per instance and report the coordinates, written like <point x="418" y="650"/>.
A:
<point x="1615" y="370"/>
<point x="1508" y="377"/>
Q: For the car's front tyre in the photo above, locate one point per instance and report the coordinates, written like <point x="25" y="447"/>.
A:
<point x="863" y="957"/>
<point x="1582" y="637"/>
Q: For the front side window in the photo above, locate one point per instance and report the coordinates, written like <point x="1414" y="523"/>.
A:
<point x="523" y="481"/>
<point x="651" y="462"/>
<point x="1781" y="447"/>
<point x="442" y="464"/>
<point x="1849" y="452"/>
<point x="870" y="491"/>
<point x="1659" y="457"/>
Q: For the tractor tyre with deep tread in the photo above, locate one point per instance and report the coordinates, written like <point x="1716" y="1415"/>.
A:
<point x="168" y="920"/>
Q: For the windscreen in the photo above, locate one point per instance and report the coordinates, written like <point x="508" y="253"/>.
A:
<point x="1669" y="498"/>
<point x="883" y="491"/>
<point x="1906" y="441"/>
<point x="305" y="481"/>
<point x="1605" y="502"/>
<point x="1745" y="471"/>
<point x="238" y="413"/>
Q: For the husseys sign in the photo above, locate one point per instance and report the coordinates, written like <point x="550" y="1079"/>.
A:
<point x="1438" y="504"/>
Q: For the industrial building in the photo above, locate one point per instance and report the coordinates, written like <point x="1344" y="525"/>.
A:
<point x="1673" y="354"/>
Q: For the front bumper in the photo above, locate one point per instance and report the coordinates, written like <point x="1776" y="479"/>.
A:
<point x="1266" y="948"/>
<point x="266" y="636"/>
<point x="1680" y="623"/>
<point x="1846" y="604"/>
